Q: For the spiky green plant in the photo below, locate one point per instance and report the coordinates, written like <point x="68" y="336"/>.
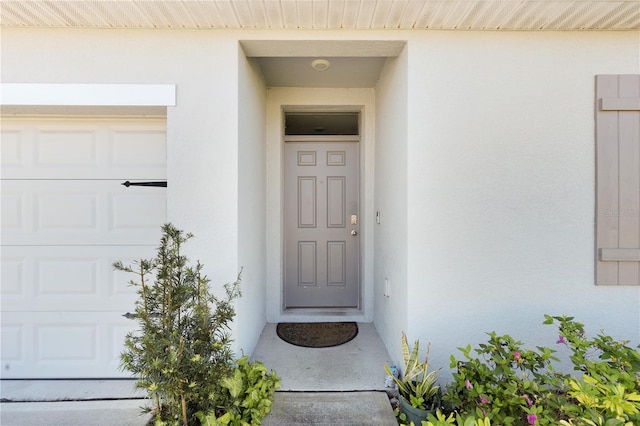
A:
<point x="418" y="386"/>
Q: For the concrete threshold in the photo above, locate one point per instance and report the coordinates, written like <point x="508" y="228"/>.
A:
<point x="330" y="409"/>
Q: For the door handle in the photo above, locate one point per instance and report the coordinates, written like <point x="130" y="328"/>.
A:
<point x="354" y="232"/>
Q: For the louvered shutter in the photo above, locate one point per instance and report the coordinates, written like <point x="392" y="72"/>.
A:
<point x="618" y="180"/>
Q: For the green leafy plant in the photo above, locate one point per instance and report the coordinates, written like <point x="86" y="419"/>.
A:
<point x="507" y="383"/>
<point x="608" y="391"/>
<point x="250" y="394"/>
<point x="418" y="386"/>
<point x="510" y="385"/>
<point x="181" y="353"/>
<point x="440" y="419"/>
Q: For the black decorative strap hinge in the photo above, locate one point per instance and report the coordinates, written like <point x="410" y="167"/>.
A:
<point x="162" y="184"/>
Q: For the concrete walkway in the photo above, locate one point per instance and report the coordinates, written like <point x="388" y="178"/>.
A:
<point x="343" y="385"/>
<point x="67" y="413"/>
<point x="357" y="365"/>
<point x="289" y="409"/>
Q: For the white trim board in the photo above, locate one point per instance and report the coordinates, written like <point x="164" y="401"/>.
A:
<point x="88" y="94"/>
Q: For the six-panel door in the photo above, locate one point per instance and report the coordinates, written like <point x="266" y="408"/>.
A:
<point x="321" y="225"/>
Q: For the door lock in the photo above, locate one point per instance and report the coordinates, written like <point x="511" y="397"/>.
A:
<point x="354" y="232"/>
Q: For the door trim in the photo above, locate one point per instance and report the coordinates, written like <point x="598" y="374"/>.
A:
<point x="280" y="100"/>
<point x="330" y="138"/>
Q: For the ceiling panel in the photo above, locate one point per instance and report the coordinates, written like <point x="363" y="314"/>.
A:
<point x="326" y="14"/>
<point x="242" y="11"/>
<point x="274" y="14"/>
<point x="365" y="14"/>
<point x="350" y="15"/>
<point x="320" y="14"/>
<point x="381" y="14"/>
<point x="334" y="14"/>
<point x="343" y="72"/>
<point x="411" y="14"/>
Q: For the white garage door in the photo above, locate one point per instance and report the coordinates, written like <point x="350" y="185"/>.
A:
<point x="65" y="219"/>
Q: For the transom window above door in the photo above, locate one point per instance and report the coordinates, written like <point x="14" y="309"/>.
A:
<point x="321" y="123"/>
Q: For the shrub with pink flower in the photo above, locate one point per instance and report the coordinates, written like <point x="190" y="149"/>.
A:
<point x="508" y="384"/>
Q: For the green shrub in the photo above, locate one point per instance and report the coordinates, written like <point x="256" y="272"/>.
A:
<point x="608" y="391"/>
<point x="507" y="383"/>
<point x="511" y="385"/>
<point x="439" y="419"/>
<point x="249" y="392"/>
<point x="181" y="353"/>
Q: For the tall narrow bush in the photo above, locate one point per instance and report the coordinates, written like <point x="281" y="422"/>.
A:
<point x="181" y="352"/>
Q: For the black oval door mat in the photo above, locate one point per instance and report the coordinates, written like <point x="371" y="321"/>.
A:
<point x="317" y="334"/>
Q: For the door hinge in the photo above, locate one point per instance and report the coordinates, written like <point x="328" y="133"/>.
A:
<point x="156" y="183"/>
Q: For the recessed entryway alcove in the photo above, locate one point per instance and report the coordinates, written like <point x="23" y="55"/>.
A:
<point x="328" y="77"/>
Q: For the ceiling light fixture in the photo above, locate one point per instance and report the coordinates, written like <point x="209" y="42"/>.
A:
<point x="320" y="64"/>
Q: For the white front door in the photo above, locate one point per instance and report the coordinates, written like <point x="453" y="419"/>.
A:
<point x="66" y="217"/>
<point x="321" y="225"/>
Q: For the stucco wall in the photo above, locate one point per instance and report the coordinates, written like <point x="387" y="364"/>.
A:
<point x="391" y="182"/>
<point x="251" y="307"/>
<point x="202" y="130"/>
<point x="484" y="162"/>
<point x="501" y="188"/>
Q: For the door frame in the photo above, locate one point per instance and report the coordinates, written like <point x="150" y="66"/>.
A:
<point x="352" y="162"/>
<point x="279" y="101"/>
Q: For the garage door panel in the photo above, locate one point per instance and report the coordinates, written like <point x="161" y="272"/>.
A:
<point x="66" y="218"/>
<point x="12" y="275"/>
<point x="68" y="212"/>
<point x="137" y="148"/>
<point x="81" y="342"/>
<point x="70" y="277"/>
<point x="139" y="209"/>
<point x="12" y="340"/>
<point x="66" y="148"/>
<point x="76" y="278"/>
<point x="83" y="149"/>
<point x="12" y="210"/>
<point x="11" y="149"/>
<point x="63" y="345"/>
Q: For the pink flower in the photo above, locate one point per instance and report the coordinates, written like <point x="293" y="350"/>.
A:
<point x="532" y="419"/>
<point x="467" y="384"/>
<point x="560" y="339"/>
<point x="529" y="402"/>
<point x="483" y="399"/>
<point x="516" y="355"/>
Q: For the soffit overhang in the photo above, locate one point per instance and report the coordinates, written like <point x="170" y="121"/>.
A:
<point x="551" y="15"/>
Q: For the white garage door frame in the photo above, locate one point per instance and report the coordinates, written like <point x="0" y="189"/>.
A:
<point x="40" y="325"/>
<point x="39" y="94"/>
